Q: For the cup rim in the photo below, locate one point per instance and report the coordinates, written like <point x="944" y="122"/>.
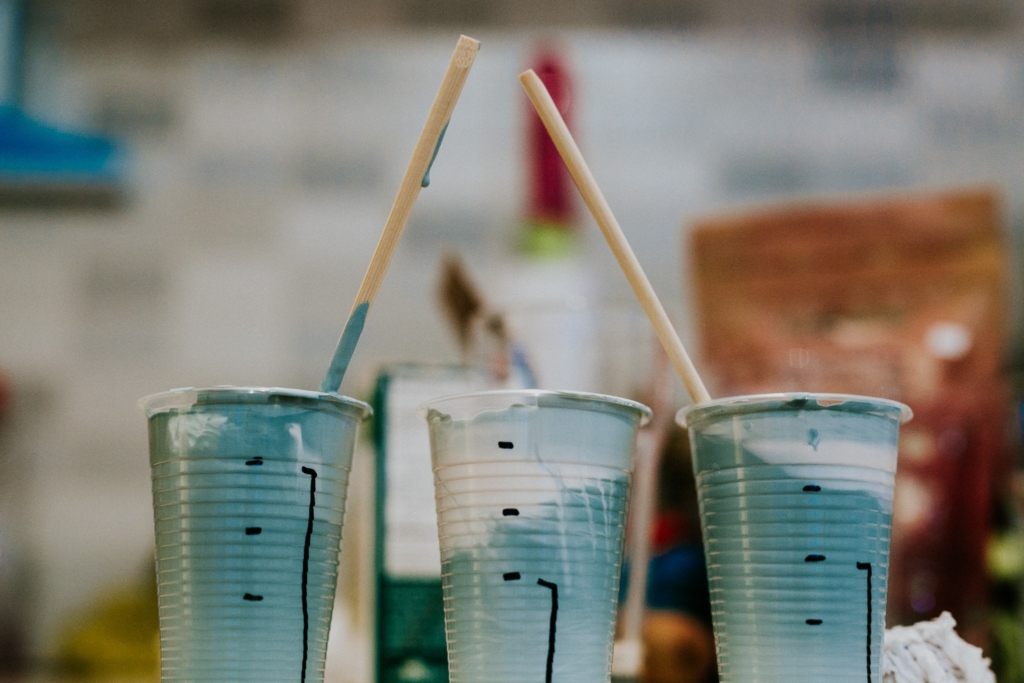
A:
<point x="186" y="397"/>
<point x="535" y="396"/>
<point x="794" y="400"/>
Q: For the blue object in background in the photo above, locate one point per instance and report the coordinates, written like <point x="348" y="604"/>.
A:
<point x="40" y="164"/>
<point x="31" y="152"/>
<point x="1020" y="416"/>
<point x="677" y="581"/>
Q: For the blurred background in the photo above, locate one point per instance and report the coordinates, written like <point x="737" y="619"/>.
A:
<point x="190" y="192"/>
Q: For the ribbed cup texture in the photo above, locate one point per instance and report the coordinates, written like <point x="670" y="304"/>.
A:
<point x="247" y="539"/>
<point x="531" y="502"/>
<point x="797" y="550"/>
<point x="567" y="531"/>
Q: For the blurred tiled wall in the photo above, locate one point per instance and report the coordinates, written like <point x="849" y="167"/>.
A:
<point x="174" y="21"/>
<point x="261" y="176"/>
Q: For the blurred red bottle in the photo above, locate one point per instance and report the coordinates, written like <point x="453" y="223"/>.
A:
<point x="551" y="210"/>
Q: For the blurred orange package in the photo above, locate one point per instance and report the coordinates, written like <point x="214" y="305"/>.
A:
<point x="901" y="297"/>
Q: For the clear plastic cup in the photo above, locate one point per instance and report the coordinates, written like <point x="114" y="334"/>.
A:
<point x="249" y="488"/>
<point x="795" y="496"/>
<point x="531" y="498"/>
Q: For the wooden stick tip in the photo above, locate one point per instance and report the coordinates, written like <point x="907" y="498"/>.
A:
<point x="527" y="75"/>
<point x="465" y="52"/>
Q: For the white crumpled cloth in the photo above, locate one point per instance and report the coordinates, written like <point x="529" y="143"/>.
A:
<point x="932" y="652"/>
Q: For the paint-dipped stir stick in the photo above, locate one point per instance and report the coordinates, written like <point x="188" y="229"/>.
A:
<point x="602" y="213"/>
<point x="416" y="177"/>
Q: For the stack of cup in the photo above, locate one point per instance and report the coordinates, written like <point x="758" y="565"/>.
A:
<point x="249" y="489"/>
<point x="531" y="498"/>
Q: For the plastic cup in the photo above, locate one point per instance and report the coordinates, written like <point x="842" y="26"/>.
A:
<point x="531" y="493"/>
<point x="795" y="495"/>
<point x="249" y="488"/>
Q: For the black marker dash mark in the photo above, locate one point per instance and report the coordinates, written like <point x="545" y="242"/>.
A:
<point x="253" y="530"/>
<point x="305" y="568"/>
<point x="511" y="576"/>
<point x="867" y="566"/>
<point x="255" y="462"/>
<point x="252" y="598"/>
<point x="812" y="487"/>
<point x="551" y="628"/>
<point x="813" y="622"/>
<point x="814" y="558"/>
<point x="505" y="444"/>
<point x="510" y="512"/>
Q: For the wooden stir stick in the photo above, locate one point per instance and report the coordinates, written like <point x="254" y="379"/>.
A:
<point x="415" y="178"/>
<point x="602" y="213"/>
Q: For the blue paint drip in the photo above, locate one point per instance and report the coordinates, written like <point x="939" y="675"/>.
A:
<point x="521" y="363"/>
<point x="426" y="176"/>
<point x="346" y="347"/>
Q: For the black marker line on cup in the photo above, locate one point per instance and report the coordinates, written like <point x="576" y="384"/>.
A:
<point x="305" y="569"/>
<point x="551" y="627"/>
<point x="867" y="566"/>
